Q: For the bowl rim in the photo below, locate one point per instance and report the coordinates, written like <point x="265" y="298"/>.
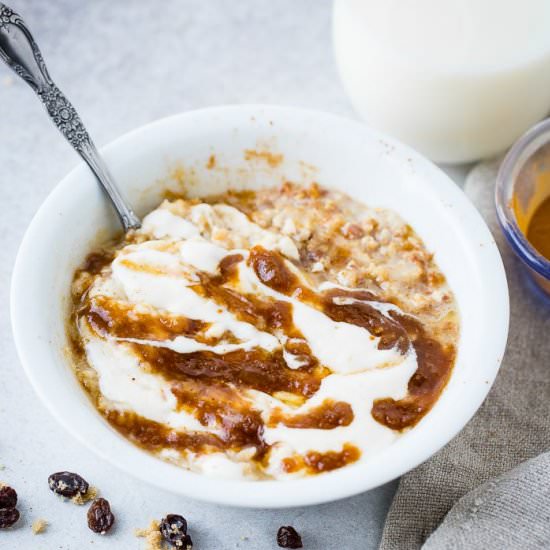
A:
<point x="515" y="159"/>
<point x="344" y="482"/>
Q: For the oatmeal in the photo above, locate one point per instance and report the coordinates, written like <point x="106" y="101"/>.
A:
<point x="264" y="335"/>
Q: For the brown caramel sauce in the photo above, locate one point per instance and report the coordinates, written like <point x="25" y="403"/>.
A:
<point x="223" y="406"/>
<point x="210" y="386"/>
<point x="315" y="462"/>
<point x="255" y="369"/>
<point x="434" y="361"/>
<point x="96" y="261"/>
<point x="327" y="416"/>
<point x="538" y="230"/>
<point x="120" y="319"/>
<point x="155" y="437"/>
<point x="271" y="269"/>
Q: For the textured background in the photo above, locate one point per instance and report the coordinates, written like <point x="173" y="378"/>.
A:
<point x="124" y="64"/>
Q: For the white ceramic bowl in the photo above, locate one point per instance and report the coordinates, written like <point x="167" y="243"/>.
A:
<point x="332" y="151"/>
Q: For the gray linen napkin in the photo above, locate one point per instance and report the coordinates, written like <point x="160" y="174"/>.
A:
<point x="512" y="511"/>
<point x="512" y="425"/>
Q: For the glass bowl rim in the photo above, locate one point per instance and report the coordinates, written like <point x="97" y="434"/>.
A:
<point x="513" y="161"/>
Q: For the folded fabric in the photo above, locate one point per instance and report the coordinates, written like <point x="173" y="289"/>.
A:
<point x="512" y="511"/>
<point x="512" y="425"/>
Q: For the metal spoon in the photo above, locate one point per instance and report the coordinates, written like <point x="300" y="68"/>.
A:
<point x="19" y="50"/>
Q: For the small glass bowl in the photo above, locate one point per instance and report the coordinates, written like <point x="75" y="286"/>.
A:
<point x="523" y="183"/>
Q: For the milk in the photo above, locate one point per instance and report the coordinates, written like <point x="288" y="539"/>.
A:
<point x="456" y="79"/>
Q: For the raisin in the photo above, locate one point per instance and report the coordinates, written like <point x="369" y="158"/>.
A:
<point x="174" y="530"/>
<point x="8" y="516"/>
<point x="100" y="517"/>
<point x="288" y="537"/>
<point x="67" y="484"/>
<point x="187" y="544"/>
<point x="8" y="497"/>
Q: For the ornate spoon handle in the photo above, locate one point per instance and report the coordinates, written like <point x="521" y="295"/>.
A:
<point x="19" y="50"/>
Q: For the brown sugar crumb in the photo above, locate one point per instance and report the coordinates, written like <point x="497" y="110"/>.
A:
<point x="315" y="192"/>
<point x="272" y="159"/>
<point x="39" y="526"/>
<point x="152" y="536"/>
<point x="81" y="499"/>
<point x="178" y="175"/>
<point x="352" y="231"/>
<point x="211" y="162"/>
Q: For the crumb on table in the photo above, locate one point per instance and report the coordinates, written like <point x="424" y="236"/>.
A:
<point x="152" y="535"/>
<point x="39" y="526"/>
<point x="81" y="499"/>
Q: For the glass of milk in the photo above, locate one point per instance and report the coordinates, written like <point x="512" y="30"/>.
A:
<point x="458" y="80"/>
